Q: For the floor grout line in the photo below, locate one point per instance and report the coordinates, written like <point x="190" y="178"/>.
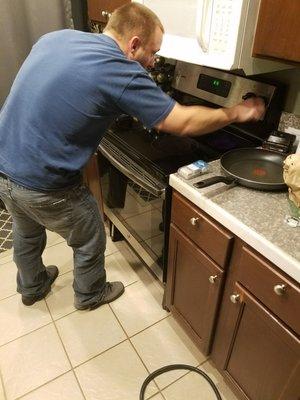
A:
<point x="44" y="384"/>
<point x="25" y="334"/>
<point x="65" y="350"/>
<point x="142" y="361"/>
<point x="99" y="354"/>
<point x="3" y="387"/>
<point x="129" y="339"/>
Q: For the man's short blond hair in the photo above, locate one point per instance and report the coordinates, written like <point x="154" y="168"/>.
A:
<point x="134" y="19"/>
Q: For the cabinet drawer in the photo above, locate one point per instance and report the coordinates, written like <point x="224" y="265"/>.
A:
<point x="207" y="234"/>
<point x="272" y="288"/>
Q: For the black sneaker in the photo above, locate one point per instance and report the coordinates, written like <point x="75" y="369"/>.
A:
<point x="52" y="272"/>
<point x="111" y="292"/>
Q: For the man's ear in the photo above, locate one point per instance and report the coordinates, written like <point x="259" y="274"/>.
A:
<point x="134" y="44"/>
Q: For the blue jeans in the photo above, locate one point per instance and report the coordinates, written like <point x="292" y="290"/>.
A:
<point x="73" y="214"/>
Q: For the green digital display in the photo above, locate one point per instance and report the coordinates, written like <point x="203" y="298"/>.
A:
<point x="214" y="85"/>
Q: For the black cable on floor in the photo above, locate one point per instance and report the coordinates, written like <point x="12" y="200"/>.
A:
<point x="172" y="367"/>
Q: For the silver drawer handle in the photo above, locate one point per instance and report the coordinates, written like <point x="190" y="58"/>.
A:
<point x="213" y="278"/>
<point x="194" y="221"/>
<point x="104" y="14"/>
<point x="235" y="298"/>
<point x="280" y="289"/>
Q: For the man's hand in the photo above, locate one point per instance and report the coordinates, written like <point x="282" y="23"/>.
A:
<point x="252" y="109"/>
<point x="198" y="120"/>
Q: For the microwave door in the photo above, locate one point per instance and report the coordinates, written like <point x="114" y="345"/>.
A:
<point x="203" y="25"/>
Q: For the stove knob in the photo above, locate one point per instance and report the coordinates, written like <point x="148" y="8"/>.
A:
<point x="161" y="77"/>
<point x="159" y="61"/>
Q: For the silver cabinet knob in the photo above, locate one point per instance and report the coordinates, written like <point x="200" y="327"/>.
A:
<point x="194" y="221"/>
<point x="104" y="13"/>
<point x="213" y="278"/>
<point x="280" y="289"/>
<point x="235" y="298"/>
<point x="108" y="15"/>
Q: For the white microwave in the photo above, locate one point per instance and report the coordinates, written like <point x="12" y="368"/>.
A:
<point x="213" y="33"/>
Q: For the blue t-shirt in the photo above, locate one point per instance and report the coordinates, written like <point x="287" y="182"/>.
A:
<point x="70" y="88"/>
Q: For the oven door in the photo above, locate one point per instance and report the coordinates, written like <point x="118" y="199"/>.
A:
<point x="134" y="204"/>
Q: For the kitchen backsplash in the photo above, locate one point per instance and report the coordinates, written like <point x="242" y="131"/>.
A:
<point x="291" y="123"/>
<point x="289" y="120"/>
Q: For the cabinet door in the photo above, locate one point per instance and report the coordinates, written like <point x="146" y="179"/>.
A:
<point x="259" y="354"/>
<point x="193" y="288"/>
<point x="97" y="9"/>
<point x="278" y="30"/>
<point x="92" y="180"/>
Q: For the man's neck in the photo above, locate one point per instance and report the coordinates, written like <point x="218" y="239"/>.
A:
<point x="116" y="39"/>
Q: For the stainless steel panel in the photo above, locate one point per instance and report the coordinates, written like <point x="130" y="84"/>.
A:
<point x="186" y="78"/>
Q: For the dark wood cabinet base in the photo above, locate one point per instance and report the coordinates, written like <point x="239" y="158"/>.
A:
<point x="230" y="298"/>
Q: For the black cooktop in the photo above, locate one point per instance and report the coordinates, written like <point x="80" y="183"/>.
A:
<point x="164" y="153"/>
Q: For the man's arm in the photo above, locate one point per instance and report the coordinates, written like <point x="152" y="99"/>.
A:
<point x="197" y="120"/>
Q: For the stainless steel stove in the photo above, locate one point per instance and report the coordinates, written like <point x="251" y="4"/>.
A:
<point x="135" y="163"/>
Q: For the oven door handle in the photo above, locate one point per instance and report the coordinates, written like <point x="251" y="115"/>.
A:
<point x="158" y="191"/>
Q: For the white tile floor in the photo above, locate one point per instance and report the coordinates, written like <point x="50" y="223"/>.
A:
<point x="50" y="351"/>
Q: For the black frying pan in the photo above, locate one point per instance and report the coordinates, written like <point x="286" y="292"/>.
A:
<point x="253" y="168"/>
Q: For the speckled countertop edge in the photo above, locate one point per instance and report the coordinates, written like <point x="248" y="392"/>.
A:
<point x="254" y="216"/>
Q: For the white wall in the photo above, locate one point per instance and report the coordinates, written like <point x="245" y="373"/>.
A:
<point x="291" y="78"/>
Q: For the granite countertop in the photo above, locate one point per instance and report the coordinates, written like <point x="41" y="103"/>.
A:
<point x="255" y="216"/>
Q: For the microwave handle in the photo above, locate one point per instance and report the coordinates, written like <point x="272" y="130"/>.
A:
<point x="205" y="24"/>
<point x="156" y="191"/>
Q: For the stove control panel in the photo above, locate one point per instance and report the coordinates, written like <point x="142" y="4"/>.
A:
<point x="218" y="87"/>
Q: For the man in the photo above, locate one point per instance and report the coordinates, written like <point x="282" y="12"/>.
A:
<point x="69" y="89"/>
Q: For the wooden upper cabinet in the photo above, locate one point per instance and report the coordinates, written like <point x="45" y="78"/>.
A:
<point x="278" y="30"/>
<point x="99" y="10"/>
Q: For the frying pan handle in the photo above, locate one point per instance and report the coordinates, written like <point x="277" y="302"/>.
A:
<point x="213" y="180"/>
